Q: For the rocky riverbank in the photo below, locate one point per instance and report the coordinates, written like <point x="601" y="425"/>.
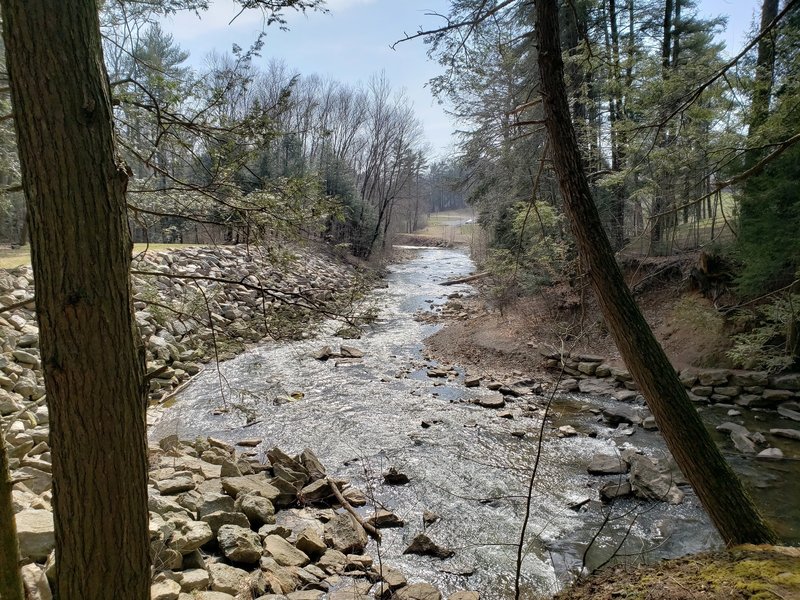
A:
<point x="228" y="523"/>
<point x="192" y="305"/>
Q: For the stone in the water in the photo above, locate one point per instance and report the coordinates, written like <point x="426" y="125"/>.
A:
<point x="492" y="401"/>
<point x="425" y="546"/>
<point x="654" y="480"/>
<point x="429" y="517"/>
<point x="567" y="431"/>
<point x="607" y="464"/>
<point x="792" y="434"/>
<point x="418" y="591"/>
<point x="773" y="453"/>
<point x="615" y="489"/>
<point x="384" y="518"/>
<point x="350" y="352"/>
<point x="323" y="353"/>
<point x="395" y="477"/>
<point x="464" y="595"/>
<point x="622" y="413"/>
<point x="472" y="381"/>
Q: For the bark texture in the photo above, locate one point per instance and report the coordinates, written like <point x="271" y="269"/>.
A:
<point x="10" y="579"/>
<point x="81" y="253"/>
<point x="721" y="492"/>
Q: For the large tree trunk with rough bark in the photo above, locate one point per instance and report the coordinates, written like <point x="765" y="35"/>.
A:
<point x="730" y="508"/>
<point x="81" y="253"/>
<point x="10" y="580"/>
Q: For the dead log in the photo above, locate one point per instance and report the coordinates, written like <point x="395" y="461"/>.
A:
<point x="466" y="279"/>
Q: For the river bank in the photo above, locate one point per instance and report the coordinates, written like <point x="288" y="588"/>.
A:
<point x="452" y="443"/>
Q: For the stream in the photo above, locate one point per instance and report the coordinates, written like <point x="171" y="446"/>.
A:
<point x="361" y="417"/>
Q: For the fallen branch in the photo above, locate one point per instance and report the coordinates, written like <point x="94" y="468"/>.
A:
<point x="28" y="302"/>
<point x="374" y="533"/>
<point x="466" y="279"/>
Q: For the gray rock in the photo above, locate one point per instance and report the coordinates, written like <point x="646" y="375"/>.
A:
<point x="227" y="579"/>
<point x="622" y="413"/>
<point x="332" y="561"/>
<point x="393" y="578"/>
<point x="212" y="502"/>
<point x="165" y="590"/>
<point x="355" y="590"/>
<point x="789" y="381"/>
<point x="350" y="352"/>
<point x="36" y="534"/>
<point x="712" y="377"/>
<point x="239" y="544"/>
<point x="216" y="520"/>
<point x="345" y="534"/>
<point x="607" y="464"/>
<point x="423" y="545"/>
<point x="310" y="543"/>
<point x="743" y="443"/>
<point x="250" y="484"/>
<point x="792" y="434"/>
<point x="494" y="400"/>
<point x="193" y="579"/>
<point x="258" y="510"/>
<point x="189" y="535"/>
<point x="384" y="519"/>
<point x="654" y="480"/>
<point x="316" y="491"/>
<point x="284" y="553"/>
<point x="773" y="397"/>
<point x="418" y="591"/>
<point x="615" y="489"/>
<point x="772" y="453"/>
<point x="171" y="487"/>
<point x="789" y="410"/>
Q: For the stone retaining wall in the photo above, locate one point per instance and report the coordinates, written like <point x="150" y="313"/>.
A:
<point x="750" y="389"/>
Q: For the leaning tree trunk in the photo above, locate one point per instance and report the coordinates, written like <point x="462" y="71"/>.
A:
<point x="81" y="254"/>
<point x="718" y="488"/>
<point x="10" y="578"/>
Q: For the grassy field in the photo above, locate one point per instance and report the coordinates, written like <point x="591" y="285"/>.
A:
<point x="454" y="226"/>
<point x="15" y="257"/>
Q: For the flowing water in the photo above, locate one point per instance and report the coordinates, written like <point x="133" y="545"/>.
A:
<point x="464" y="464"/>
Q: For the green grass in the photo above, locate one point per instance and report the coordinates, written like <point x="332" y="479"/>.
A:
<point x="16" y="257"/>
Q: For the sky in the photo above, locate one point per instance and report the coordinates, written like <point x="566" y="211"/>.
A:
<point x="352" y="42"/>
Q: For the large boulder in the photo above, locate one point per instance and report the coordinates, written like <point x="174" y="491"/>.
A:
<point x="189" y="535"/>
<point x="258" y="509"/>
<point x="607" y="464"/>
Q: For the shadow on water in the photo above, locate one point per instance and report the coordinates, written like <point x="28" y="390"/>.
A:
<point x="465" y="465"/>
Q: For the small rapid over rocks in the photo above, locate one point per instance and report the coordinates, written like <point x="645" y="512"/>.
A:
<point x="451" y="459"/>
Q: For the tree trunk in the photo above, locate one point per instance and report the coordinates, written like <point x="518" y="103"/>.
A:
<point x="81" y="254"/>
<point x="10" y="578"/>
<point x="765" y="69"/>
<point x="730" y="508"/>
